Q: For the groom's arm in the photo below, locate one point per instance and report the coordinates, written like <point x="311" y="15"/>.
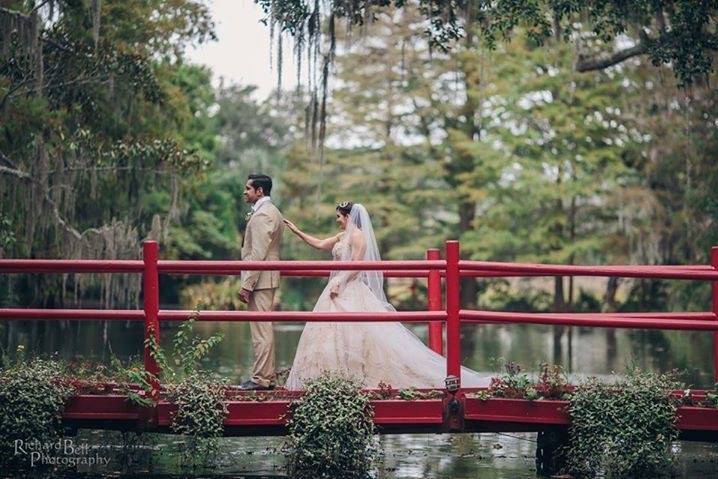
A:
<point x="262" y="227"/>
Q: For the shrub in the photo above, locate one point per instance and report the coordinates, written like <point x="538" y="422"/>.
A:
<point x="32" y="397"/>
<point x="625" y="428"/>
<point x="199" y="395"/>
<point x="330" y="431"/>
<point x="201" y="409"/>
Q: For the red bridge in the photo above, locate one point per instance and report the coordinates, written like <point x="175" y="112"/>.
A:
<point x="454" y="412"/>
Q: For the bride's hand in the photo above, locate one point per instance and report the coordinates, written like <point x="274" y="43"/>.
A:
<point x="290" y="225"/>
<point x="334" y="291"/>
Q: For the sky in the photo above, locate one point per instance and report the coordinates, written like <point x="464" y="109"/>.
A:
<point x="241" y="52"/>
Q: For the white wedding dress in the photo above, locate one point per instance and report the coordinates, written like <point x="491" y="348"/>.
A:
<point x="368" y="352"/>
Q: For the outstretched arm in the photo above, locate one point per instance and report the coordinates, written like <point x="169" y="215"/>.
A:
<point x="324" y="244"/>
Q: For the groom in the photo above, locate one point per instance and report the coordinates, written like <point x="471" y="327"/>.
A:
<point x="262" y="242"/>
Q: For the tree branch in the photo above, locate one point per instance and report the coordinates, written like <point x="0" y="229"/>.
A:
<point x="14" y="172"/>
<point x="55" y="210"/>
<point x="585" y="64"/>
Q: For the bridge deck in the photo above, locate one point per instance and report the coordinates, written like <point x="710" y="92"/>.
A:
<point x="251" y="415"/>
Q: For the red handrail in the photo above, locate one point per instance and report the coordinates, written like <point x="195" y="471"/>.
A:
<point x="598" y="320"/>
<point x="236" y="267"/>
<point x="631" y="271"/>
<point x="433" y="268"/>
<point x="183" y="315"/>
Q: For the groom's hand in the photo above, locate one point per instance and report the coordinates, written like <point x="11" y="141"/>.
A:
<point x="245" y="295"/>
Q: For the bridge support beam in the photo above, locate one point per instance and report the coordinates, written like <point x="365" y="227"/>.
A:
<point x="151" y="298"/>
<point x="550" y="450"/>
<point x="714" y="290"/>
<point x="436" y="333"/>
<point x="453" y="322"/>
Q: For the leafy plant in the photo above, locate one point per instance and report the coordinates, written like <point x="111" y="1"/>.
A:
<point x="552" y="382"/>
<point x="514" y="384"/>
<point x="330" y="431"/>
<point x="625" y="428"/>
<point x="408" y="394"/>
<point x="189" y="350"/>
<point x="385" y="390"/>
<point x="32" y="397"/>
<point x="199" y="395"/>
<point x="201" y="409"/>
<point x="712" y="396"/>
<point x="136" y="375"/>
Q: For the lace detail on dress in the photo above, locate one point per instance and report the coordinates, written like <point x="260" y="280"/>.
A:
<point x="339" y="250"/>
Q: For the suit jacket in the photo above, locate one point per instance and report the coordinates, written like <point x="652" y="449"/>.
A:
<point x="262" y="242"/>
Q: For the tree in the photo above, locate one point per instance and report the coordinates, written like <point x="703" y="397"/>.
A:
<point x="93" y="116"/>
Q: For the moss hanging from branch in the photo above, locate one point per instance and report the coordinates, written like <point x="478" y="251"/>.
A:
<point x="73" y="167"/>
<point x="683" y="36"/>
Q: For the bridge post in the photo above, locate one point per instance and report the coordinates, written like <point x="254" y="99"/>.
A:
<point x="551" y="450"/>
<point x="453" y="326"/>
<point x="436" y="329"/>
<point x="151" y="298"/>
<point x="714" y="290"/>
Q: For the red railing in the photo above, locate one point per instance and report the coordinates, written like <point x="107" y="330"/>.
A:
<point x="433" y="268"/>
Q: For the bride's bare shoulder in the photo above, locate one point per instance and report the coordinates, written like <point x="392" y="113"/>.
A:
<point x="357" y="237"/>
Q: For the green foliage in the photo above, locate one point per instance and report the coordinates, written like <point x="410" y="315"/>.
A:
<point x="499" y="295"/>
<point x="32" y="397"/>
<point x="683" y="34"/>
<point x="201" y="409"/>
<point x="330" y="431"/>
<point x="97" y="123"/>
<point x="513" y="385"/>
<point x="199" y="395"/>
<point x="189" y="351"/>
<point x="135" y="375"/>
<point x="623" y="429"/>
<point x="712" y="397"/>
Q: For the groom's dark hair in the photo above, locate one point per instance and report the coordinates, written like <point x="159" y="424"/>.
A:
<point x="261" y="181"/>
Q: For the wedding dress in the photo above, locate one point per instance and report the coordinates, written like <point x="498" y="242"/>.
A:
<point x="368" y="352"/>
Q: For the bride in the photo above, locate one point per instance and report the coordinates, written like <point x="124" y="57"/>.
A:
<point x="370" y="352"/>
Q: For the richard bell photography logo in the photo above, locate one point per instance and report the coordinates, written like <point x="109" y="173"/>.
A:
<point x="61" y="452"/>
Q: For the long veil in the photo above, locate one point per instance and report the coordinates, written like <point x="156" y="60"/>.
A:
<point x="359" y="220"/>
<point x="373" y="351"/>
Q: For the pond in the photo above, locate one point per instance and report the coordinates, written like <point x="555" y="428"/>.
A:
<point x="582" y="352"/>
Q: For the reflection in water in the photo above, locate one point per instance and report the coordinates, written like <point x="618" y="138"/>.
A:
<point x="592" y="351"/>
<point x="443" y="456"/>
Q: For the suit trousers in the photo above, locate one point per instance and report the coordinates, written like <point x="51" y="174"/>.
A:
<point x="263" y="370"/>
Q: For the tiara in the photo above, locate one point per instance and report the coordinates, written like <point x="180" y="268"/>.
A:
<point x="344" y="204"/>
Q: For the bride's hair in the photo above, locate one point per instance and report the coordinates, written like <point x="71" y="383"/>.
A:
<point x="345" y="208"/>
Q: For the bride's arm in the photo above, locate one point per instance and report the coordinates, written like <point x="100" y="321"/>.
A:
<point x="324" y="244"/>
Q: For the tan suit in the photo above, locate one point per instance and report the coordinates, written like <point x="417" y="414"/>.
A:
<point x="262" y="242"/>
